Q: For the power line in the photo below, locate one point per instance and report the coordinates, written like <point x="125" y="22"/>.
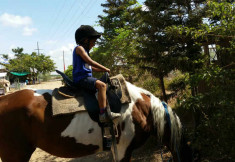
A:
<point x="78" y="17"/>
<point x="68" y="25"/>
<point x="62" y="22"/>
<point x="57" y="16"/>
<point x="52" y="17"/>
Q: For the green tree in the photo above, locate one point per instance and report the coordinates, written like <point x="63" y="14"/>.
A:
<point x="117" y="15"/>
<point x="118" y="41"/>
<point x="69" y="72"/>
<point x="18" y="51"/>
<point x="213" y="103"/>
<point x="5" y="56"/>
<point x="25" y="63"/>
<point x="161" y="51"/>
<point x="154" y="43"/>
<point x="43" y="64"/>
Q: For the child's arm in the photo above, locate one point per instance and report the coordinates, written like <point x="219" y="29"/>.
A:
<point x="97" y="69"/>
<point x="95" y="65"/>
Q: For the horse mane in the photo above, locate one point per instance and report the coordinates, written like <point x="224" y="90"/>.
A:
<point x="159" y="113"/>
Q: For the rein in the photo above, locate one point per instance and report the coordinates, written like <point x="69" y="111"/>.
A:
<point x="167" y="113"/>
<point x="169" y="121"/>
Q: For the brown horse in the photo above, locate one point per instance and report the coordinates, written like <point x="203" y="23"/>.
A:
<point x="26" y="122"/>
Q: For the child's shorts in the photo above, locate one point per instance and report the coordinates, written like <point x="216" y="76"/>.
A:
<point x="88" y="83"/>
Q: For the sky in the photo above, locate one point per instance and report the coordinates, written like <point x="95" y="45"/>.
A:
<point x="51" y="23"/>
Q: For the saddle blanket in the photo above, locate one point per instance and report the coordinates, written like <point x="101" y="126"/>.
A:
<point x="64" y="105"/>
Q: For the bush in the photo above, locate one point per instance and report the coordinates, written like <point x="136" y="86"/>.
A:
<point x="69" y="72"/>
<point x="45" y="77"/>
<point x="214" y="113"/>
<point x="178" y="84"/>
<point x="151" y="85"/>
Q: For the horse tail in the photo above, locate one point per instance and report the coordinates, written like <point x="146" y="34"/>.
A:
<point x="166" y="120"/>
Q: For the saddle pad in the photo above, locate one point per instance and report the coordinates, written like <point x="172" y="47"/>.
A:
<point x="64" y="105"/>
<point x="119" y="79"/>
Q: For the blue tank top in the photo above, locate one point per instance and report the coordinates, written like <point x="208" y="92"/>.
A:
<point x="81" y="69"/>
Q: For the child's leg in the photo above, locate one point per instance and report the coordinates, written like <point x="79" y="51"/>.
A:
<point x="101" y="86"/>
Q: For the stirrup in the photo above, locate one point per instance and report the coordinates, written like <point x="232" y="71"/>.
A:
<point x="107" y="132"/>
<point x="105" y="118"/>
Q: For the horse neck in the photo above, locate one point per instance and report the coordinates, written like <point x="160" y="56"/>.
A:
<point x="169" y="132"/>
<point x="154" y="106"/>
<point x="158" y="113"/>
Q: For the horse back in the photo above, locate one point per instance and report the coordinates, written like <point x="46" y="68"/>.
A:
<point x="18" y="100"/>
<point x="18" y="109"/>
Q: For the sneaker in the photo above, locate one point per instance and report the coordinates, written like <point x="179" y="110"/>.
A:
<point x="104" y="118"/>
<point x="115" y="115"/>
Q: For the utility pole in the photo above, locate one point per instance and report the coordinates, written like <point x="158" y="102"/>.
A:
<point x="63" y="61"/>
<point x="38" y="48"/>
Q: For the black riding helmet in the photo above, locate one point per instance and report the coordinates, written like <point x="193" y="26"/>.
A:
<point x="85" y="31"/>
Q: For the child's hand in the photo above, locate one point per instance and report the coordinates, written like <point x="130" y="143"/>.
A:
<point x="107" y="70"/>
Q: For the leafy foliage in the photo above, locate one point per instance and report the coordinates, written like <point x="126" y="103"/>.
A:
<point x="151" y="85"/>
<point x="69" y="72"/>
<point x="217" y="27"/>
<point x="45" y="77"/>
<point x="215" y="112"/>
<point x="178" y="83"/>
<point x="118" y="43"/>
<point x="162" y="51"/>
<point x="25" y="62"/>
<point x="213" y="82"/>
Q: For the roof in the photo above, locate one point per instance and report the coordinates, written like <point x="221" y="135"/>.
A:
<point x="20" y="73"/>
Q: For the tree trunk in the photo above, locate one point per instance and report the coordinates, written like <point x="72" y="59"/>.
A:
<point x="163" y="88"/>
<point x="207" y="52"/>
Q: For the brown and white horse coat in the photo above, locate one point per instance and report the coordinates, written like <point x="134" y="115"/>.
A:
<point x="26" y="122"/>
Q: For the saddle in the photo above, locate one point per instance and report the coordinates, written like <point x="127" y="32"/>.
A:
<point x="77" y="99"/>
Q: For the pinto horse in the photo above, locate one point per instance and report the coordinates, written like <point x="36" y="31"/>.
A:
<point x="26" y="122"/>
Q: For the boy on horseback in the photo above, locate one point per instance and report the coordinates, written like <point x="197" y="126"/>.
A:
<point x="83" y="66"/>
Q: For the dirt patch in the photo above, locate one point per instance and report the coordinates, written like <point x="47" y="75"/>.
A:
<point x="45" y="85"/>
<point x="150" y="152"/>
